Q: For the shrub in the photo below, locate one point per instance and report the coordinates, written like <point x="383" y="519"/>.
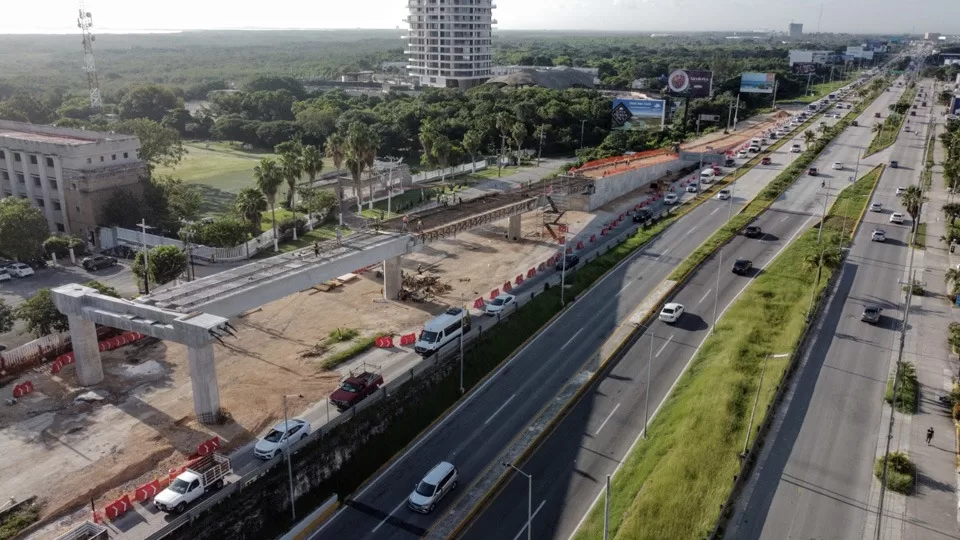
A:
<point x="225" y="231"/>
<point x="900" y="472"/>
<point x="285" y="227"/>
<point x="60" y="245"/>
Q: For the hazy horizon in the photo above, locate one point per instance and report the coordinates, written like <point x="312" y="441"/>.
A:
<point x="656" y="16"/>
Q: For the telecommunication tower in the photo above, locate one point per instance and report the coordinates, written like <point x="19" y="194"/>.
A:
<point x="84" y="22"/>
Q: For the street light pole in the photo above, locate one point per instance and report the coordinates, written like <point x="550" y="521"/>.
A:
<point x="583" y="124"/>
<point x="563" y="271"/>
<point x="529" y="497"/>
<point x="540" y="149"/>
<point x="293" y="505"/>
<point x="646" y="396"/>
<point x="146" y="266"/>
<point x="606" y="512"/>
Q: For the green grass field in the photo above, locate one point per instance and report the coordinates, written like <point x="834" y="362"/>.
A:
<point x="822" y="89"/>
<point x="673" y="484"/>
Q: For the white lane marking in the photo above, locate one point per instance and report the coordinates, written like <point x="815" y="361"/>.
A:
<point x="399" y="506"/>
<point x="669" y="339"/>
<point x="705" y="295"/>
<point x="571" y="339"/>
<point x="784" y="218"/>
<point x="664" y="253"/>
<point x="694" y="228"/>
<point x="625" y="287"/>
<point x="677" y="380"/>
<point x="537" y="511"/>
<point x="605" y="420"/>
<point x="496" y="412"/>
<point x="714" y="211"/>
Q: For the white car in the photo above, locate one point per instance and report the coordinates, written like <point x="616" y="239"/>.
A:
<point x="742" y="154"/>
<point x="876" y="207"/>
<point x="896" y="217"/>
<point x="441" y="479"/>
<point x="836" y="115"/>
<point x="273" y="443"/>
<point x="499" y="304"/>
<point x="670" y="198"/>
<point x="837" y="165"/>
<point x="19" y="270"/>
<point x="4" y="276"/>
<point x="879" y="235"/>
<point x="671" y="312"/>
<point x="901" y="190"/>
<point x="692" y="188"/>
<point x="724" y="194"/>
<point x="795" y="149"/>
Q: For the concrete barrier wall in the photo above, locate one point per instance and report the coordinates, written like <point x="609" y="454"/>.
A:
<point x="303" y="529"/>
<point x="618" y="185"/>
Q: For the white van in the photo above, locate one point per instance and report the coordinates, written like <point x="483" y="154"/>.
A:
<point x="442" y="330"/>
<point x="707" y="175"/>
<point x="756" y="142"/>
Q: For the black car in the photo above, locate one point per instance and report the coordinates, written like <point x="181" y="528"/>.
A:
<point x="97" y="262"/>
<point x="730" y="162"/>
<point x="742" y="267"/>
<point x="572" y="261"/>
<point x="642" y="215"/>
<point x="753" y="231"/>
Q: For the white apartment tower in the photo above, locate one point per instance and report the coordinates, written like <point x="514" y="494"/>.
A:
<point x="450" y="42"/>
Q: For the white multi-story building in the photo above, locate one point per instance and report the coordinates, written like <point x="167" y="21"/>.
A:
<point x="69" y="174"/>
<point x="450" y="42"/>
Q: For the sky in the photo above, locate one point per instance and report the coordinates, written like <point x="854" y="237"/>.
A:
<point x="882" y="16"/>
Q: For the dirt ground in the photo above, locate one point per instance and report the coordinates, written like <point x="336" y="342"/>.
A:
<point x="139" y="422"/>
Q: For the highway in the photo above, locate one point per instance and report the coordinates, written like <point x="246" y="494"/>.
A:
<point x="570" y="466"/>
<point x="484" y="423"/>
<point x="815" y="480"/>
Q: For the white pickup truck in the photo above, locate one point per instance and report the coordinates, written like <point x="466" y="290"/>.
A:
<point x="203" y="475"/>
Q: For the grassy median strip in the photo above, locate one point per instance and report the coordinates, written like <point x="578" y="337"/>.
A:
<point x="893" y="123"/>
<point x="673" y="484"/>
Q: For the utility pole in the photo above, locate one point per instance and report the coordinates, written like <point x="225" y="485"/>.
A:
<point x="146" y="266"/>
<point x="503" y="144"/>
<point x="736" y="111"/>
<point x="540" y="149"/>
<point x="583" y="124"/>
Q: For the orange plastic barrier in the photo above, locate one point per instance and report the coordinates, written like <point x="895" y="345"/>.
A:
<point x="384" y="342"/>
<point x="494" y="293"/>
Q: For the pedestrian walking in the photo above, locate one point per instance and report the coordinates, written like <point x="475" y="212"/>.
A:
<point x="316" y="248"/>
<point x="339" y="237"/>
<point x="406" y="221"/>
<point x="929" y="435"/>
<point x="419" y="225"/>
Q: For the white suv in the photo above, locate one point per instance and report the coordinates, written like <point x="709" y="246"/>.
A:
<point x="441" y="480"/>
<point x="19" y="270"/>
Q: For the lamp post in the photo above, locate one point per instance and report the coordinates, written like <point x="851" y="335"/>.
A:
<point x="563" y="271"/>
<point x="529" y="496"/>
<point x="293" y="506"/>
<point x="143" y="240"/>
<point x="583" y="124"/>
<point x="646" y="397"/>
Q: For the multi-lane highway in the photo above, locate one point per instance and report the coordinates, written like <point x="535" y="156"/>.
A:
<point x="480" y="427"/>
<point x="570" y="466"/>
<point x="815" y="480"/>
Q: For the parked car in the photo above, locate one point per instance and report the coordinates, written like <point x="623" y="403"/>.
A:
<point x="766" y="160"/>
<point x="499" y="304"/>
<point x="871" y="314"/>
<point x="97" y="262"/>
<point x="441" y="480"/>
<point x="753" y="231"/>
<point x="878" y="235"/>
<point x="670" y="198"/>
<point x="276" y="440"/>
<point x="897" y="218"/>
<point x="4" y="275"/>
<point x="20" y="270"/>
<point x="572" y="260"/>
<point x="671" y="312"/>
<point x="742" y="266"/>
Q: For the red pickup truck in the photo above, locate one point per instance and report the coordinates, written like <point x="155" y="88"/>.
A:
<point x="355" y="387"/>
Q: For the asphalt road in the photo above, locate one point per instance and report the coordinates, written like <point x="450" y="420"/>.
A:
<point x="481" y="426"/>
<point x="816" y="480"/>
<point x="570" y="466"/>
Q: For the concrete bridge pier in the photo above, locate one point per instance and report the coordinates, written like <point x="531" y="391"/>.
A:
<point x="392" y="278"/>
<point x="203" y="380"/>
<point x="513" y="228"/>
<point x="86" y="352"/>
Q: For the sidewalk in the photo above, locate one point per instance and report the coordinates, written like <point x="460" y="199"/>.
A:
<point x="931" y="511"/>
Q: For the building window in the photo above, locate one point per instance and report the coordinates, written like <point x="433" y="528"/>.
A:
<point x="16" y="157"/>
<point x="36" y="181"/>
<point x="20" y="179"/>
<point x="6" y="175"/>
<point x="49" y="162"/>
<point x="33" y="160"/>
<point x="40" y="203"/>
<point x="61" y="228"/>
<point x="89" y="160"/>
<point x="114" y="157"/>
<point x="125" y="155"/>
<point x="78" y="208"/>
<point x="101" y="159"/>
<point x="2" y="155"/>
<point x="56" y="206"/>
<point x="73" y="185"/>
<point x="53" y="184"/>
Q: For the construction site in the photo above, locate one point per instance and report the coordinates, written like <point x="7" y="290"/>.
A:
<point x="75" y="447"/>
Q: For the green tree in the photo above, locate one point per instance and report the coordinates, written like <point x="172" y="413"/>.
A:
<point x="360" y="145"/>
<point x="312" y="161"/>
<point x="105" y="290"/>
<point x="167" y="263"/>
<point x="177" y="119"/>
<point x="183" y="200"/>
<point x="159" y="146"/>
<point x="291" y="167"/>
<point x="808" y="137"/>
<point x="335" y="149"/>
<point x="22" y="228"/>
<point x="472" y="141"/>
<point x="952" y="279"/>
<point x="41" y="316"/>
<point x="441" y="149"/>
<point x="268" y="178"/>
<point x="149" y="101"/>
<point x="60" y="245"/>
<point x="951" y="211"/>
<point x="250" y="205"/>
<point x="122" y="209"/>
<point x="318" y="201"/>
<point x="518" y="133"/>
<point x="7" y="317"/>
<point x="224" y="231"/>
<point x="912" y="200"/>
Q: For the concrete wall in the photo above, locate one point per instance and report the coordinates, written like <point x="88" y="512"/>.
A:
<point x="615" y="186"/>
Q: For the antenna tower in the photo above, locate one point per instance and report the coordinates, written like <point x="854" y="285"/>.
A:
<point x="84" y="22"/>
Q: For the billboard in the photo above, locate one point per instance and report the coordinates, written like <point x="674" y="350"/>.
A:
<point x="697" y="82"/>
<point x="757" y="83"/>
<point x="803" y="68"/>
<point x="628" y="114"/>
<point x="954" y="105"/>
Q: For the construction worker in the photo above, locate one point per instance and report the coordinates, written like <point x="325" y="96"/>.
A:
<point x="419" y="225"/>
<point x="316" y="248"/>
<point x="339" y="237"/>
<point x="406" y="221"/>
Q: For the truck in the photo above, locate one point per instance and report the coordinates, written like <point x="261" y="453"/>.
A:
<point x="202" y="475"/>
<point x="356" y="386"/>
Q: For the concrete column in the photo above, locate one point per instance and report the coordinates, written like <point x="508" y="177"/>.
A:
<point x="513" y="230"/>
<point x="203" y="379"/>
<point x="14" y="183"/>
<point x="83" y="335"/>
<point x="392" y="278"/>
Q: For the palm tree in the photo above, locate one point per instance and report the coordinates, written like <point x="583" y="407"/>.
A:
<point x="472" y="141"/>
<point x="503" y="123"/>
<point x="360" y="145"/>
<point x="250" y="205"/>
<point x="829" y="259"/>
<point x="519" y="133"/>
<point x="951" y="211"/>
<point x="334" y="150"/>
<point x="292" y="168"/>
<point x="952" y="279"/>
<point x="440" y="150"/>
<point x="808" y="137"/>
<point x="312" y="162"/>
<point x="912" y="200"/>
<point x="268" y="177"/>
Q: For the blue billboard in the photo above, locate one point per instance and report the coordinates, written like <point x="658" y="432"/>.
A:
<point x="757" y="83"/>
<point x="628" y="114"/>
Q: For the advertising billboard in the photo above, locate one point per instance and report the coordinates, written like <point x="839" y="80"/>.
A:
<point x="954" y="105"/>
<point x="697" y="82"/>
<point x="628" y="114"/>
<point x="757" y="83"/>
<point x="803" y="69"/>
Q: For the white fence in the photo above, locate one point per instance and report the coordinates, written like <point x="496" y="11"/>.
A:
<point x="449" y="171"/>
<point x="34" y="351"/>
